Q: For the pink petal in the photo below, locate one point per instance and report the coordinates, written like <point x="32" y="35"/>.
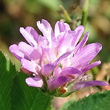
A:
<point x="57" y="72"/>
<point x="62" y="57"/>
<point x="82" y="43"/>
<point x="91" y="66"/>
<point x="28" y="65"/>
<point x="32" y="32"/>
<point x="46" y="29"/>
<point x="84" y="57"/>
<point x="76" y="36"/>
<point x="84" y="84"/>
<point x="47" y="69"/>
<point x="65" y="43"/>
<point x="29" y="51"/>
<point x="15" y="51"/>
<point x="28" y="37"/>
<point x="60" y="27"/>
<point x="70" y="71"/>
<point x="61" y="80"/>
<point x="34" y="81"/>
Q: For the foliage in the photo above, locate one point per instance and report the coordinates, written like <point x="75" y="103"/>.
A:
<point x="98" y="101"/>
<point x="7" y="73"/>
<point x="15" y="94"/>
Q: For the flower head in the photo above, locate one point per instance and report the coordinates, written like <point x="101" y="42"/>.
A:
<point x="55" y="60"/>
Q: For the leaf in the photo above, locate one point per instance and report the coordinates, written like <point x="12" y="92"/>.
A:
<point x="7" y="73"/>
<point x="98" y="101"/>
<point x="28" y="98"/>
<point x="15" y="94"/>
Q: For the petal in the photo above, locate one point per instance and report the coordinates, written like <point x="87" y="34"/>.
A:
<point x="47" y="69"/>
<point x="15" y="51"/>
<point x="34" y="81"/>
<point x="35" y="55"/>
<point x="70" y="71"/>
<point x="60" y="26"/>
<point x="76" y="36"/>
<point x="48" y="55"/>
<point x="25" y="48"/>
<point x="57" y="72"/>
<point x="91" y="66"/>
<point x="29" y="51"/>
<point x="82" y="43"/>
<point x="28" y="65"/>
<point x="61" y="80"/>
<point x="28" y="37"/>
<point x="62" y="57"/>
<point x="65" y="43"/>
<point x="84" y="84"/>
<point x="83" y="58"/>
<point x="46" y="29"/>
<point x="32" y="32"/>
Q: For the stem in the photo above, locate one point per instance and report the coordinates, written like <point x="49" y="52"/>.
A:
<point x="85" y="12"/>
<point x="44" y="88"/>
<point x="67" y="16"/>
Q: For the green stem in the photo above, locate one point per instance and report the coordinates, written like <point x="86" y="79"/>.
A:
<point x="66" y="15"/>
<point x="44" y="88"/>
<point x="85" y="12"/>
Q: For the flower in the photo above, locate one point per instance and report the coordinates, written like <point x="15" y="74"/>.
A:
<point x="55" y="61"/>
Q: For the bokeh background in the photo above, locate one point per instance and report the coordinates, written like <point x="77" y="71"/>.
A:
<point x="21" y="13"/>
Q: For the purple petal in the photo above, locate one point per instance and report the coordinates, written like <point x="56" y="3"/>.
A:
<point x="62" y="57"/>
<point x="76" y="36"/>
<point x="35" y="55"/>
<point x="82" y="43"/>
<point x="70" y="71"/>
<point x="25" y="48"/>
<point x="15" y="51"/>
<point x="46" y="29"/>
<point x="60" y="26"/>
<point x="57" y="72"/>
<point x="28" y="65"/>
<point x="84" y="84"/>
<point x="29" y="51"/>
<point x="28" y="37"/>
<point x="34" y="81"/>
<point x="33" y="33"/>
<point x="65" y="43"/>
<point x="61" y="80"/>
<point x="47" y="69"/>
<point x="91" y="66"/>
<point x="48" y="55"/>
<point x="84" y="57"/>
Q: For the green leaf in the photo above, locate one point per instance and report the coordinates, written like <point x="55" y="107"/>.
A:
<point x="15" y="94"/>
<point x="7" y="73"/>
<point x="98" y="101"/>
<point x="28" y="98"/>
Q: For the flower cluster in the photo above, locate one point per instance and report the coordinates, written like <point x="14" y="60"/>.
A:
<point x="56" y="61"/>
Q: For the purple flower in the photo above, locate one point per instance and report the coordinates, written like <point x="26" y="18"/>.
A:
<point x="56" y="59"/>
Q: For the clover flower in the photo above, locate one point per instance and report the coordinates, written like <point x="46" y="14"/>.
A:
<point x="56" y="61"/>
